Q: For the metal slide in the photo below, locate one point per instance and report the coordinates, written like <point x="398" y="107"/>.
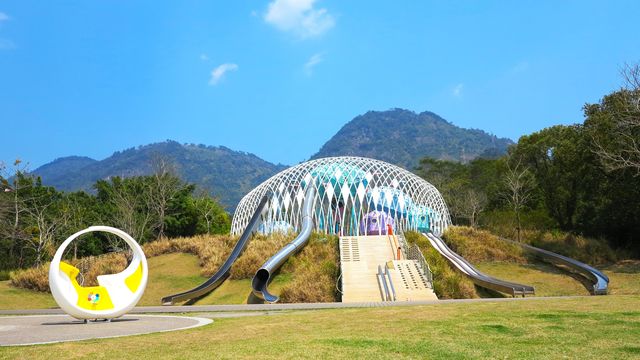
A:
<point x="263" y="276"/>
<point x="599" y="280"/>
<point x="479" y="278"/>
<point x="223" y="273"/>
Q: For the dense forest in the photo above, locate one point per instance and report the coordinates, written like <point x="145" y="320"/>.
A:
<point x="582" y="178"/>
<point x="34" y="218"/>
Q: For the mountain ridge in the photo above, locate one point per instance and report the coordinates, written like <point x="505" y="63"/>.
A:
<point x="398" y="136"/>
<point x="403" y="137"/>
<point x="223" y="172"/>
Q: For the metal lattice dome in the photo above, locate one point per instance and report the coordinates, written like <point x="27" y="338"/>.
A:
<point x="354" y="196"/>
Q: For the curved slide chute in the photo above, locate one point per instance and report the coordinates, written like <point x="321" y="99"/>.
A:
<point x="600" y="281"/>
<point x="223" y="273"/>
<point x="479" y="278"/>
<point x="263" y="276"/>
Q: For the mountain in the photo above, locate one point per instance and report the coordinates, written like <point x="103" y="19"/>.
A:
<point x="403" y="137"/>
<point x="397" y="136"/>
<point x="226" y="173"/>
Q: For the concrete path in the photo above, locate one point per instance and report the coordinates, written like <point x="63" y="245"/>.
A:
<point x="280" y="307"/>
<point x="43" y="329"/>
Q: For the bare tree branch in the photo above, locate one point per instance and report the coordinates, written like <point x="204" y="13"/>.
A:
<point x="518" y="189"/>
<point x="621" y="150"/>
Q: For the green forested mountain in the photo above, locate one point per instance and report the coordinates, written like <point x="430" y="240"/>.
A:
<point x="225" y="173"/>
<point x="404" y="137"/>
<point x="398" y="136"/>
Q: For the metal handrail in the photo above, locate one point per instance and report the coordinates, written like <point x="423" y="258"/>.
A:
<point x="403" y="243"/>
<point x="382" y="282"/>
<point x="393" y="290"/>
<point x="414" y="253"/>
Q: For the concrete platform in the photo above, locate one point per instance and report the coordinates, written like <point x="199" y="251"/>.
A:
<point x="43" y="329"/>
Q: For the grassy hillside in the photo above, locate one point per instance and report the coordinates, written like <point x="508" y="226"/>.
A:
<point x="183" y="263"/>
<point x="581" y="328"/>
<point x="310" y="276"/>
<point x="507" y="261"/>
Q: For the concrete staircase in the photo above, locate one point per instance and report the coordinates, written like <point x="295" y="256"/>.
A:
<point x="359" y="260"/>
<point x="409" y="282"/>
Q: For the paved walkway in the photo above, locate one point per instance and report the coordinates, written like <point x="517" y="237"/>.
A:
<point x="43" y="329"/>
<point x="279" y="307"/>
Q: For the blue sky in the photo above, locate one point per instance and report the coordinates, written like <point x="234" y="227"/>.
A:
<point x="278" y="78"/>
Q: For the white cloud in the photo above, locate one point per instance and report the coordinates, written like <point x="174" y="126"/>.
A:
<point x="314" y="60"/>
<point x="218" y="73"/>
<point x="3" y="17"/>
<point x="457" y="90"/>
<point x="299" y="17"/>
<point x="204" y="57"/>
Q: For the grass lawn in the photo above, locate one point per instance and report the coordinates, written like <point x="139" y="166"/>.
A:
<point x="586" y="327"/>
<point x="548" y="280"/>
<point x="14" y="298"/>
<point x="624" y="277"/>
<point x="177" y="272"/>
<point x="168" y="274"/>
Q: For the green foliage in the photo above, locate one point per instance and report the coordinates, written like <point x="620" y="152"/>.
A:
<point x="36" y="218"/>
<point x="574" y="189"/>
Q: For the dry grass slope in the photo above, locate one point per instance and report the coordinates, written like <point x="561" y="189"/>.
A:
<point x="448" y="283"/>
<point x="479" y="246"/>
<point x="309" y="276"/>
<point x="315" y="272"/>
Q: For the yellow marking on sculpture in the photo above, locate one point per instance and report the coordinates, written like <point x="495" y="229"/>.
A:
<point x="104" y="302"/>
<point x="133" y="281"/>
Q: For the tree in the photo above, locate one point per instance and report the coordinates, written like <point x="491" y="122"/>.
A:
<point x="518" y="184"/>
<point x="163" y="188"/>
<point x="563" y="168"/>
<point x="43" y="211"/>
<point x="213" y="218"/>
<point x="79" y="211"/>
<point x="126" y="205"/>
<point x="615" y="124"/>
<point x="16" y="187"/>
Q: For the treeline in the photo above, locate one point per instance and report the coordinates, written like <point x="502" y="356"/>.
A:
<point x="582" y="178"/>
<point x="35" y="219"/>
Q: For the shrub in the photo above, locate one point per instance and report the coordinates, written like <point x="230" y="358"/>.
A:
<point x="482" y="246"/>
<point x="210" y="249"/>
<point x="4" y="275"/>
<point x="35" y="278"/>
<point x="259" y="250"/>
<point x="314" y="270"/>
<point x="588" y="250"/>
<point x="448" y="283"/>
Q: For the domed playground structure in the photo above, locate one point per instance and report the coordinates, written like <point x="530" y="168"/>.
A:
<point x="369" y="204"/>
<point x="352" y="197"/>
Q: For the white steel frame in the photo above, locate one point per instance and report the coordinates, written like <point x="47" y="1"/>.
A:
<point x="354" y="181"/>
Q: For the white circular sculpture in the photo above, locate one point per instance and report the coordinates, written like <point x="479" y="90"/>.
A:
<point x="348" y="190"/>
<point x="115" y="295"/>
